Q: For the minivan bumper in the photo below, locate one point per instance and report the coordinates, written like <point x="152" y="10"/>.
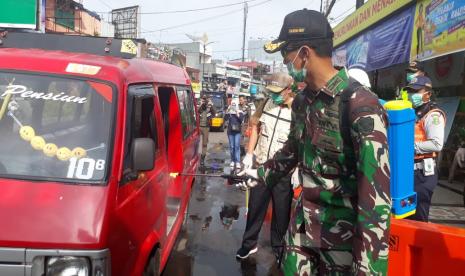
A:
<point x="32" y="262"/>
<point x="217" y="122"/>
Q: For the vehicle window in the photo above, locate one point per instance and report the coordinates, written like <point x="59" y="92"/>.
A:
<point x="191" y="107"/>
<point x="217" y="103"/>
<point x="141" y="118"/>
<point x="186" y="105"/>
<point x="54" y="128"/>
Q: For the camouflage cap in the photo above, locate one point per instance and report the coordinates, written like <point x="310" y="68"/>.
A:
<point x="278" y="82"/>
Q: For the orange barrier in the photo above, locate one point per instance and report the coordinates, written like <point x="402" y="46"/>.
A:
<point x="418" y="248"/>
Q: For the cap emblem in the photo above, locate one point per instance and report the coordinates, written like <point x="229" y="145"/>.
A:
<point x="270" y="46"/>
<point x="296" y="30"/>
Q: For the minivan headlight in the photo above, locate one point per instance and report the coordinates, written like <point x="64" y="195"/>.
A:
<point x="67" y="266"/>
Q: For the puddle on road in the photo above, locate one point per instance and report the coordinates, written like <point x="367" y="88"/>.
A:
<point x="207" y="244"/>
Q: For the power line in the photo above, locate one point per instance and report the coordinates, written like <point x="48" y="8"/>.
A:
<point x="204" y="19"/>
<point x="221" y="51"/>
<point x="235" y="28"/>
<point x="334" y="19"/>
<point x="108" y="6"/>
<point x="193" y="10"/>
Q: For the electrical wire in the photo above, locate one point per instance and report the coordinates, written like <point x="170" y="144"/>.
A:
<point x="191" y="10"/>
<point x="108" y="6"/>
<point x="334" y="19"/>
<point x="204" y="19"/>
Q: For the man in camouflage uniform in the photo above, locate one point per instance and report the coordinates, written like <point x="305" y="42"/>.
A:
<point x="340" y="225"/>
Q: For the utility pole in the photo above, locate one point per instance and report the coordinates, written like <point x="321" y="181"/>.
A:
<point x="246" y="10"/>
<point x="330" y="6"/>
<point x="204" y="55"/>
<point x="203" y="63"/>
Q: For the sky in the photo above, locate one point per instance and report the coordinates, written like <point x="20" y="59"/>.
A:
<point x="223" y="26"/>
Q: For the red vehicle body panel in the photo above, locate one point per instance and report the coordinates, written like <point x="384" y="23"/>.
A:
<point x="31" y="212"/>
<point x="128" y="219"/>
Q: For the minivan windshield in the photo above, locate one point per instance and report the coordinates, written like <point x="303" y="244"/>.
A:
<point x="218" y="103"/>
<point x="54" y="128"/>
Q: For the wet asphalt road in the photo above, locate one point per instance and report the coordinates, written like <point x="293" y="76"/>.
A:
<point x="208" y="242"/>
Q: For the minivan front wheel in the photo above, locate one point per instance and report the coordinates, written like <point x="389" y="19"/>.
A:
<point x="153" y="265"/>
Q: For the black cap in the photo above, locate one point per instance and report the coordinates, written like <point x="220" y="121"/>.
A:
<point x="301" y="25"/>
<point x="414" y="66"/>
<point x="420" y="82"/>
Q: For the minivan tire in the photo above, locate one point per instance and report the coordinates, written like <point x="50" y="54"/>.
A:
<point x="153" y="265"/>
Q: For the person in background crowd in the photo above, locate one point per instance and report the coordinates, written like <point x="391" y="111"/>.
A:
<point x="244" y="107"/>
<point x="245" y="123"/>
<point x="235" y="116"/>
<point x="459" y="157"/>
<point x="206" y="113"/>
<point x="415" y="69"/>
<point x="429" y="140"/>
<point x="270" y="127"/>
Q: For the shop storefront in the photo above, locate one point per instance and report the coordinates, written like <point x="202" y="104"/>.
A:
<point x="426" y="30"/>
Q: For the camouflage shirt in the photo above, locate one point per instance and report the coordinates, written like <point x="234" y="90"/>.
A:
<point x="345" y="204"/>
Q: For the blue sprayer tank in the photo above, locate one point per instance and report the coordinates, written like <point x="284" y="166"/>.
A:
<point x="401" y="156"/>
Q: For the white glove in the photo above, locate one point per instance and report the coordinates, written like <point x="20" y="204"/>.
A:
<point x="247" y="162"/>
<point x="295" y="179"/>
<point x="242" y="185"/>
<point x="254" y="177"/>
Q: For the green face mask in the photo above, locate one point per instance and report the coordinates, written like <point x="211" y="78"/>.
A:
<point x="297" y="75"/>
<point x="410" y="76"/>
<point x="277" y="98"/>
<point x="416" y="99"/>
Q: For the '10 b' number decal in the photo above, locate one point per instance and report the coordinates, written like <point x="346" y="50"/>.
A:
<point x="84" y="168"/>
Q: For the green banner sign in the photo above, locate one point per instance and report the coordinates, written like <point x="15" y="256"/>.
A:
<point x="18" y="14"/>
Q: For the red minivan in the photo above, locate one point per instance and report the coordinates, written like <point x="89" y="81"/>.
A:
<point x="88" y="138"/>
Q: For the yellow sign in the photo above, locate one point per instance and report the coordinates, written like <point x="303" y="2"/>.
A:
<point x="367" y="15"/>
<point x="438" y="29"/>
<point x="129" y="47"/>
<point x="196" y="87"/>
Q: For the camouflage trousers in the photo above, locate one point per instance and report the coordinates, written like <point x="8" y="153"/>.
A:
<point x="301" y="259"/>
<point x="204" y="131"/>
<point x="306" y="261"/>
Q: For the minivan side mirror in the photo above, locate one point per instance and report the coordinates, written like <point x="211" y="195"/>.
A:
<point x="143" y="154"/>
